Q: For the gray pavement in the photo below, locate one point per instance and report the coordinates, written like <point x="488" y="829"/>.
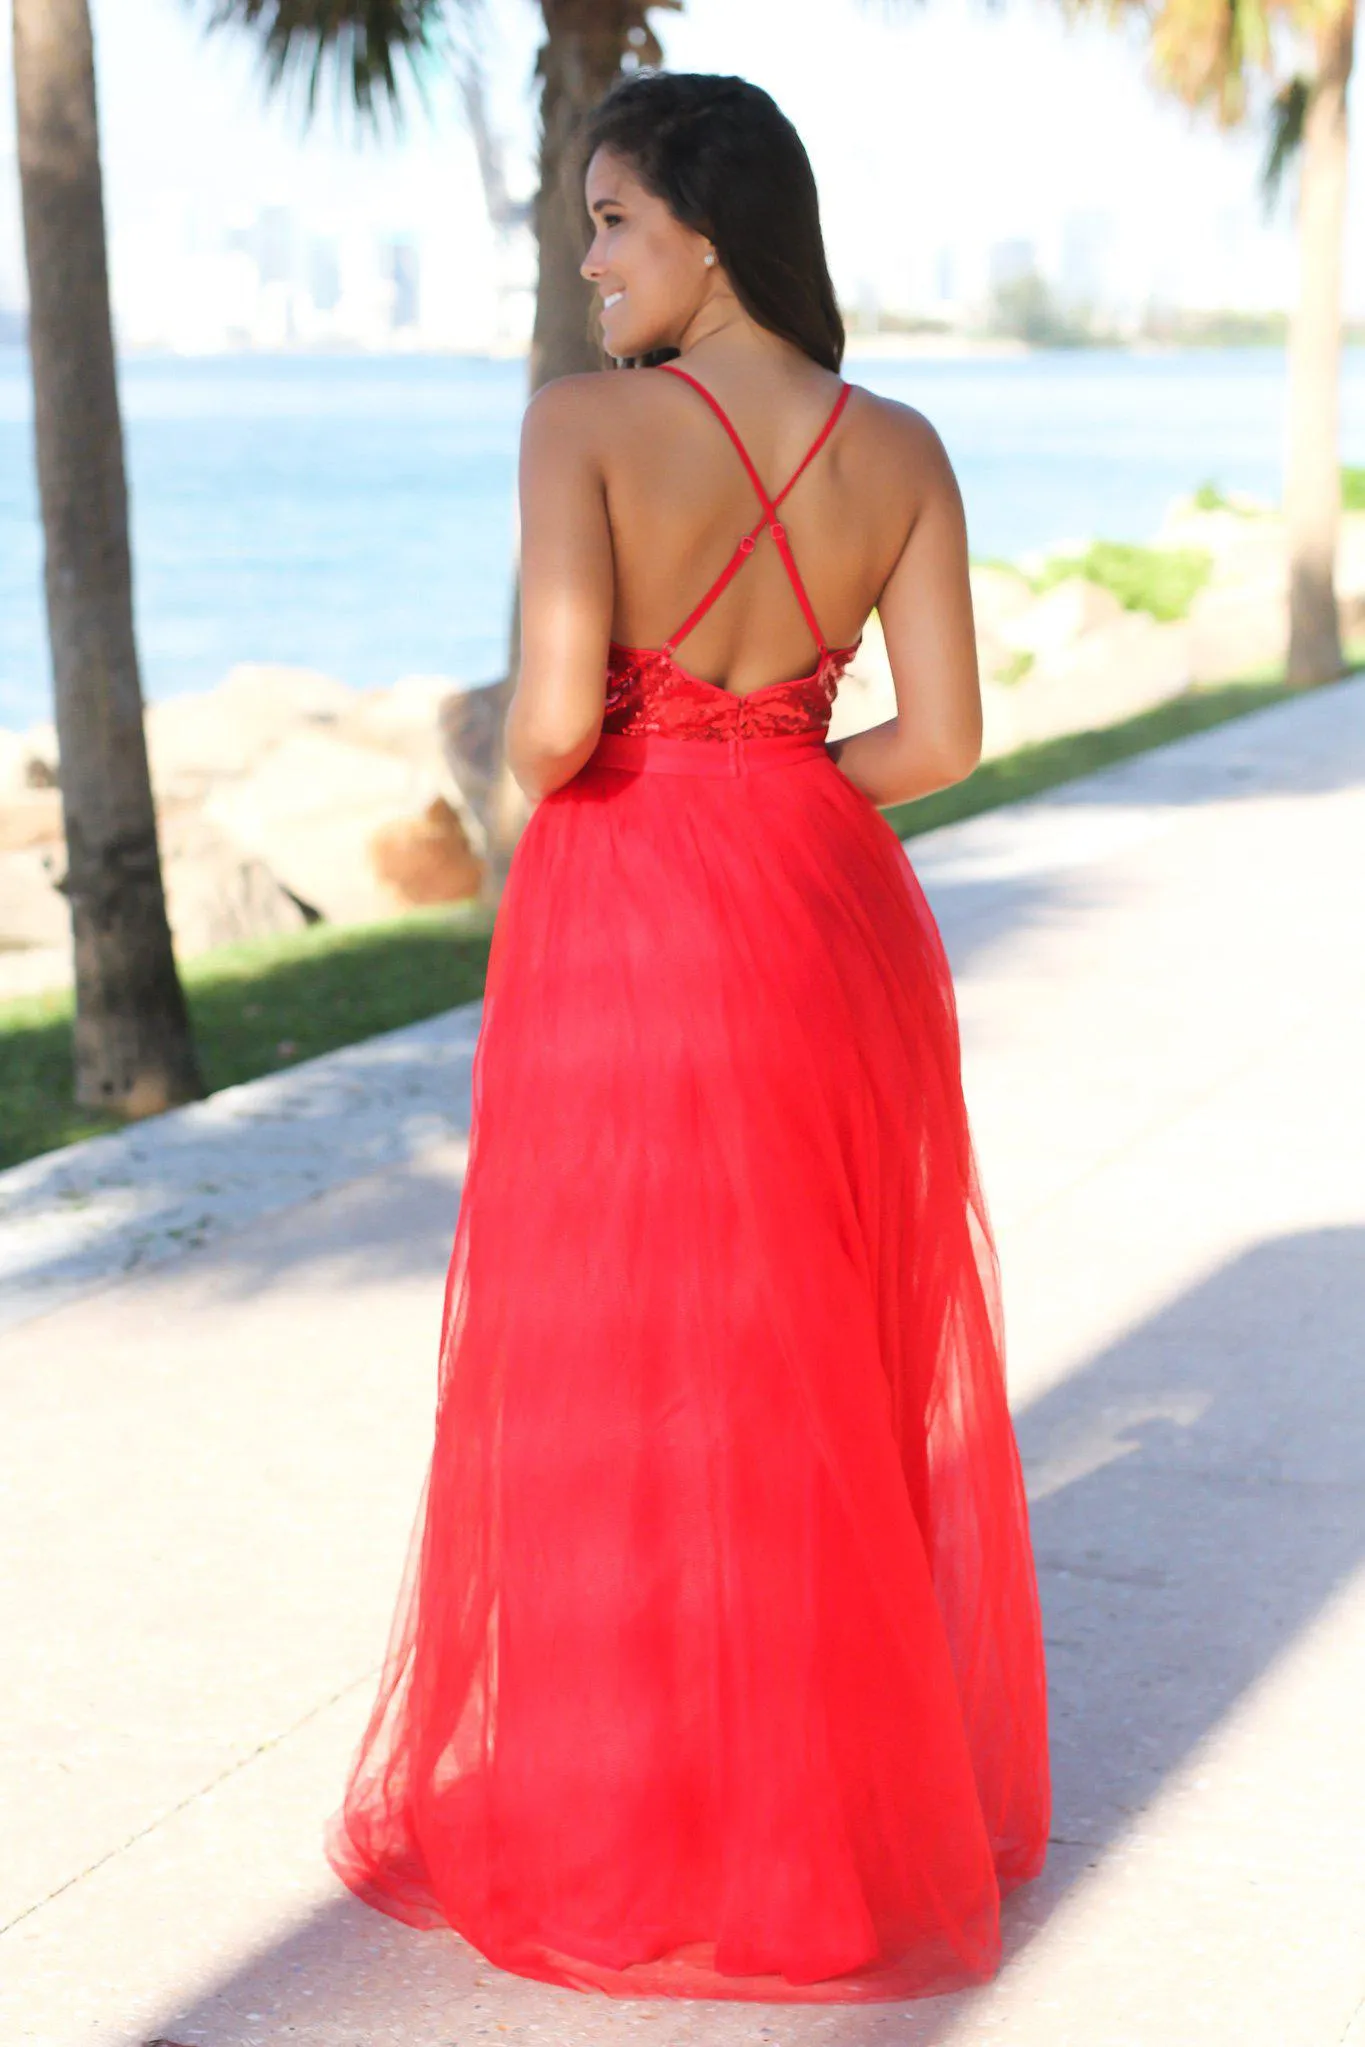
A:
<point x="215" y="1404"/>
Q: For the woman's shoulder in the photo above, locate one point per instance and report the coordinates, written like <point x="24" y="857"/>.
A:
<point x="906" y="429"/>
<point x="901" y="441"/>
<point x="592" y="395"/>
<point x="596" y="413"/>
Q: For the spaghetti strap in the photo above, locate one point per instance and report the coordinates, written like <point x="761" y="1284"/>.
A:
<point x="769" y="518"/>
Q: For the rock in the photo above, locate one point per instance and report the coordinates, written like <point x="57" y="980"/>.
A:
<point x="427" y="859"/>
<point x="13" y="763"/>
<point x="997" y="593"/>
<point x="1350" y="563"/>
<point x="1243" y="549"/>
<point x="867" y="694"/>
<point x="406" y="721"/>
<point x="291" y="696"/>
<point x="1237" y="629"/>
<point x="32" y="911"/>
<point x="995" y="658"/>
<point x="195" y="742"/>
<point x="403" y="719"/>
<point x="30" y="817"/>
<point x="1126" y="667"/>
<point x="217" y="892"/>
<point x="310" y="810"/>
<point x="1353" y="616"/>
<point x="1049" y="624"/>
<point x="1113" y="671"/>
<point x="28" y="760"/>
<point x="469" y="726"/>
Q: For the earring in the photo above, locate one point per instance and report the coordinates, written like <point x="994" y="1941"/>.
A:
<point x="709" y="258"/>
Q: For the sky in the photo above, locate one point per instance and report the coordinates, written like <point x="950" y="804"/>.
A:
<point x="926" y="124"/>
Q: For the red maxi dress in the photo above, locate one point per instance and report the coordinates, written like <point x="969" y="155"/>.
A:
<point x="717" y="1668"/>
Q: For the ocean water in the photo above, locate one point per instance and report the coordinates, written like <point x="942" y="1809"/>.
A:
<point x="355" y="514"/>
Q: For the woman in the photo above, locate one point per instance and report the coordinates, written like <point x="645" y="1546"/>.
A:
<point x="718" y="1670"/>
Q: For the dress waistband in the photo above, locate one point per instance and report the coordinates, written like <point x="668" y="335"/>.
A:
<point x="667" y="753"/>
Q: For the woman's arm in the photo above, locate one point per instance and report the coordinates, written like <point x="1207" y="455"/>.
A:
<point x="926" y="614"/>
<point x="555" y="715"/>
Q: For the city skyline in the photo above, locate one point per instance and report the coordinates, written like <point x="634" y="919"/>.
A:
<point x="921" y="205"/>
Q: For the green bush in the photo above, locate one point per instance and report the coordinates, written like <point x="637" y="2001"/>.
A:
<point x="1017" y="667"/>
<point x="1161" y="580"/>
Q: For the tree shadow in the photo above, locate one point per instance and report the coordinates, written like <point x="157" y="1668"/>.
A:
<point x="1197" y="1491"/>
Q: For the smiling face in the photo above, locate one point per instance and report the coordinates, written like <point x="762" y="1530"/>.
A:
<point x="650" y="270"/>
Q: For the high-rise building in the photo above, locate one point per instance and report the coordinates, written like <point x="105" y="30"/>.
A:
<point x="324" y="273"/>
<point x="273" y="243"/>
<point x="1087" y="242"/>
<point x="1009" y="260"/>
<point x="403" y="267"/>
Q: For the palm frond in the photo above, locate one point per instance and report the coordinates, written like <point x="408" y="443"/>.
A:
<point x="363" y="44"/>
<point x="1205" y="50"/>
<point x="1288" y="112"/>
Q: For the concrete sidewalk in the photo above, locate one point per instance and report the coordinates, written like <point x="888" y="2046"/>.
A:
<point x="215" y="1444"/>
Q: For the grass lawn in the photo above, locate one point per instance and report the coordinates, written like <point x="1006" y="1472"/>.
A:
<point x="268" y="1004"/>
<point x="255" y="1008"/>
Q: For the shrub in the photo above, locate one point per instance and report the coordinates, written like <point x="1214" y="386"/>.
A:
<point x="1161" y="580"/>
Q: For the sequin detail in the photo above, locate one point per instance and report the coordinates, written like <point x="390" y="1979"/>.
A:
<point x="647" y="691"/>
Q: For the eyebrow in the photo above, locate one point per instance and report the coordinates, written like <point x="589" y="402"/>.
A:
<point x="597" y="204"/>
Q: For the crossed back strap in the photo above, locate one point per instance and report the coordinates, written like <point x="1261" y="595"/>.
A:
<point x="769" y="516"/>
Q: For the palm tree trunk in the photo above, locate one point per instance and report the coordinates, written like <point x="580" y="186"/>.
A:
<point x="133" y="1050"/>
<point x="1313" y="476"/>
<point x="585" y="48"/>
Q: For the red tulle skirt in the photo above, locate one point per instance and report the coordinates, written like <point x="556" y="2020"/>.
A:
<point x="717" y="1669"/>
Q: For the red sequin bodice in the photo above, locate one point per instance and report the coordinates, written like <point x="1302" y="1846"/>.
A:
<point x="648" y="692"/>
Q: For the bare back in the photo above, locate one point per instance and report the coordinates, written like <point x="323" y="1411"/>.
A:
<point x="679" y="499"/>
<point x="633" y="500"/>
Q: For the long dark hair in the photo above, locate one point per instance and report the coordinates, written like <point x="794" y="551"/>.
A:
<point x="726" y="161"/>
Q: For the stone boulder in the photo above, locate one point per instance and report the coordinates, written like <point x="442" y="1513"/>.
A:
<point x="33" y="912"/>
<point x="1128" y="665"/>
<point x="28" y="760"/>
<point x="997" y="594"/>
<point x="1350" y="564"/>
<point x="311" y="811"/>
<point x="196" y="742"/>
<point x="469" y="727"/>
<point x="1048" y="626"/>
<point x="427" y="859"/>
<point x="1248" y="543"/>
<point x="217" y="891"/>
<point x="30" y="817"/>
<point x="403" y="719"/>
<point x="867" y="694"/>
<point x="1236" y="629"/>
<point x="1123" y="663"/>
<point x="14" y="761"/>
<point x="407" y="721"/>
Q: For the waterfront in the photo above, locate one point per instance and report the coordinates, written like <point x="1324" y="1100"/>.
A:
<point x="355" y="513"/>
